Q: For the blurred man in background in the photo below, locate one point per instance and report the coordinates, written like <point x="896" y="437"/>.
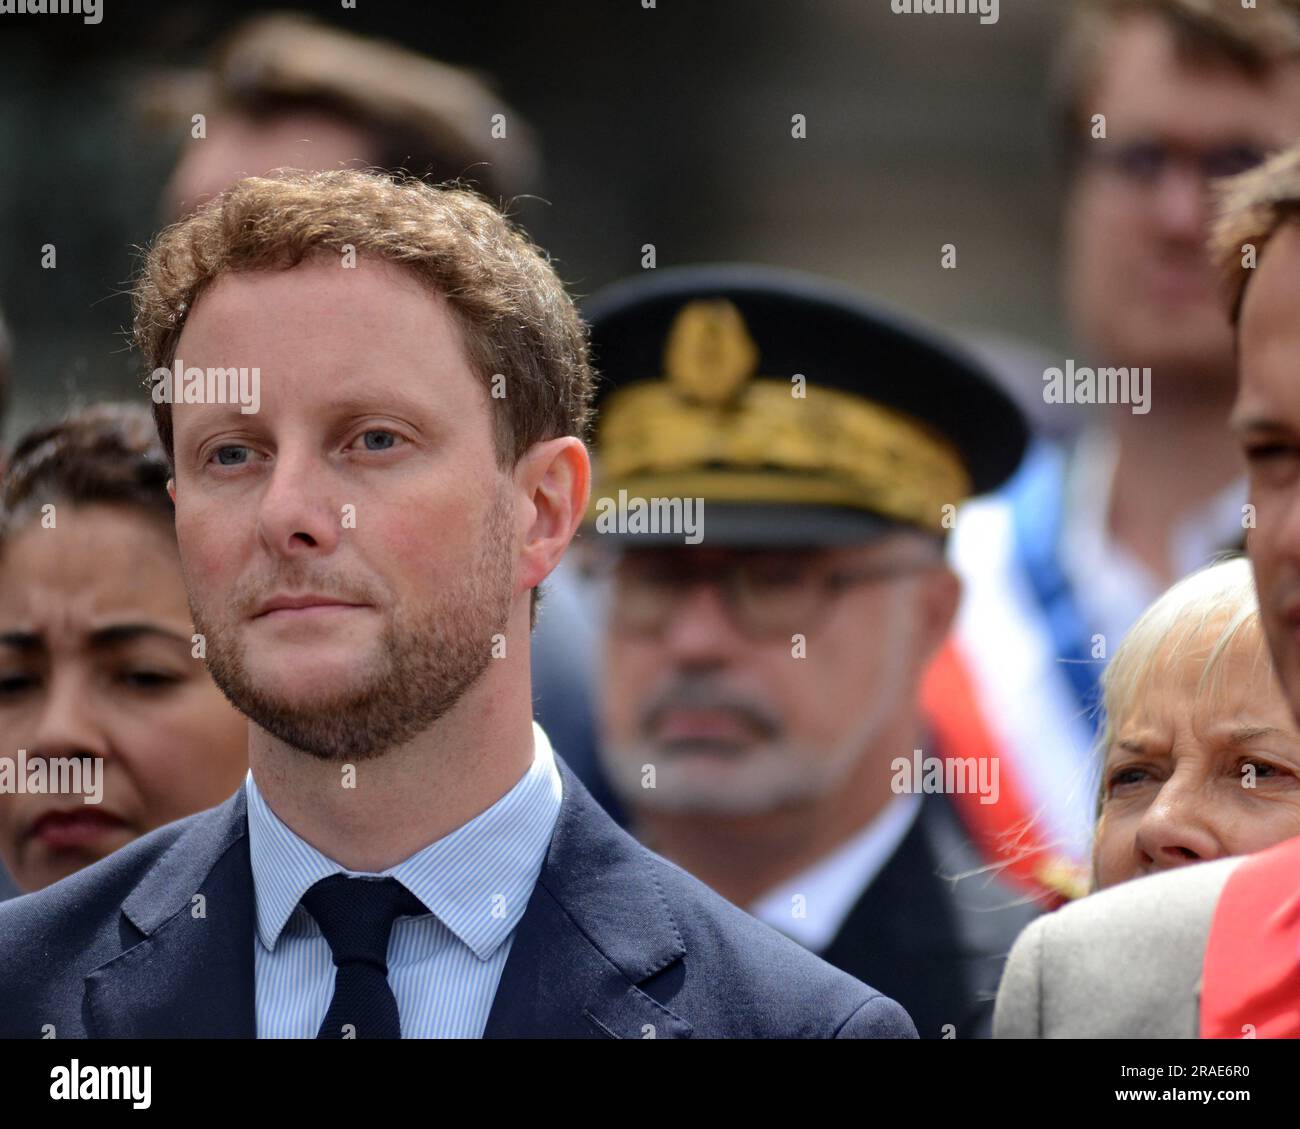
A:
<point x="1157" y="98"/>
<point x="283" y="90"/>
<point x="758" y="709"/>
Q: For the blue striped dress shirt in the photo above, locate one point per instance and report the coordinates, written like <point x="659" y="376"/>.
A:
<point x="444" y="966"/>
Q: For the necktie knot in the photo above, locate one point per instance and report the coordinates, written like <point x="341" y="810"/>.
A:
<point x="356" y="916"/>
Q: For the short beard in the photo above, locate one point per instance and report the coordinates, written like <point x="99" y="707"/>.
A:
<point x="429" y="657"/>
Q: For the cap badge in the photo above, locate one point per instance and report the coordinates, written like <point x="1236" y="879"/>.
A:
<point x="709" y="355"/>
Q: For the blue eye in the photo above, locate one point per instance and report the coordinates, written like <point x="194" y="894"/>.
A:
<point x="386" y="440"/>
<point x="222" y="452"/>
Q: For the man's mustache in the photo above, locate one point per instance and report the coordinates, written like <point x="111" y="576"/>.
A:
<point x="701" y="695"/>
<point x="251" y="595"/>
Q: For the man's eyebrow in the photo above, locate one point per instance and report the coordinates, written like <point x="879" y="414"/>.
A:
<point x="353" y="402"/>
<point x="101" y="638"/>
<point x="379" y="402"/>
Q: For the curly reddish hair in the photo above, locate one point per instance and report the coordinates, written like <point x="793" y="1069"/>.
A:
<point x="513" y="312"/>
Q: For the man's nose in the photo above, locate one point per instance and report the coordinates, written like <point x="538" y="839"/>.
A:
<point x="300" y="509"/>
<point x="1182" y="203"/>
<point x="701" y="630"/>
<point x="1282" y="532"/>
<point x="1177" y="828"/>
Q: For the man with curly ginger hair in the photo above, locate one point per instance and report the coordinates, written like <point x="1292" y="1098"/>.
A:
<point x="408" y="856"/>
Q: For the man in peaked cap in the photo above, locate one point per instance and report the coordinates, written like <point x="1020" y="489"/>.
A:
<point x="777" y="463"/>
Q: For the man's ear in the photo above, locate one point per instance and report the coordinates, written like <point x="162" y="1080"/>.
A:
<point x="940" y="598"/>
<point x="171" y="490"/>
<point x="553" y="479"/>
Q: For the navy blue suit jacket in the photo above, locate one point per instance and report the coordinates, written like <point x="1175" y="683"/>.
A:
<point x="615" y="941"/>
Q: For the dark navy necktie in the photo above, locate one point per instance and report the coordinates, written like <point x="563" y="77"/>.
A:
<point x="356" y="916"/>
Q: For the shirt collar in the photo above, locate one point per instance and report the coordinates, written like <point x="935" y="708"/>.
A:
<point x="1110" y="584"/>
<point x="831" y="887"/>
<point x="477" y="880"/>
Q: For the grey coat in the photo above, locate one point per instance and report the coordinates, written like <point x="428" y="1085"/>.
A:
<point x="1121" y="963"/>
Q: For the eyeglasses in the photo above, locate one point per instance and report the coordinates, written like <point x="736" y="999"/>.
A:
<point x="1144" y="162"/>
<point x="767" y="595"/>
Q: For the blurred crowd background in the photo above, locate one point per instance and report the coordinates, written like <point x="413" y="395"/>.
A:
<point x="669" y="126"/>
<point x="913" y="158"/>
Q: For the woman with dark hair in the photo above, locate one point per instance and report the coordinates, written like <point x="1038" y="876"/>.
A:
<point x="99" y="663"/>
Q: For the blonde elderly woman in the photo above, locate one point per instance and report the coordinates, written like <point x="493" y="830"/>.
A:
<point x="1200" y="754"/>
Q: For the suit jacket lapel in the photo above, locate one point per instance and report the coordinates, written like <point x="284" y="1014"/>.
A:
<point x="596" y="929"/>
<point x="191" y="974"/>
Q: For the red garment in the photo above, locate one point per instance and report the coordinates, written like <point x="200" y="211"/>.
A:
<point x="1251" y="974"/>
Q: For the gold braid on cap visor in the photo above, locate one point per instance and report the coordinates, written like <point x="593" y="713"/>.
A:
<point x="826" y="448"/>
